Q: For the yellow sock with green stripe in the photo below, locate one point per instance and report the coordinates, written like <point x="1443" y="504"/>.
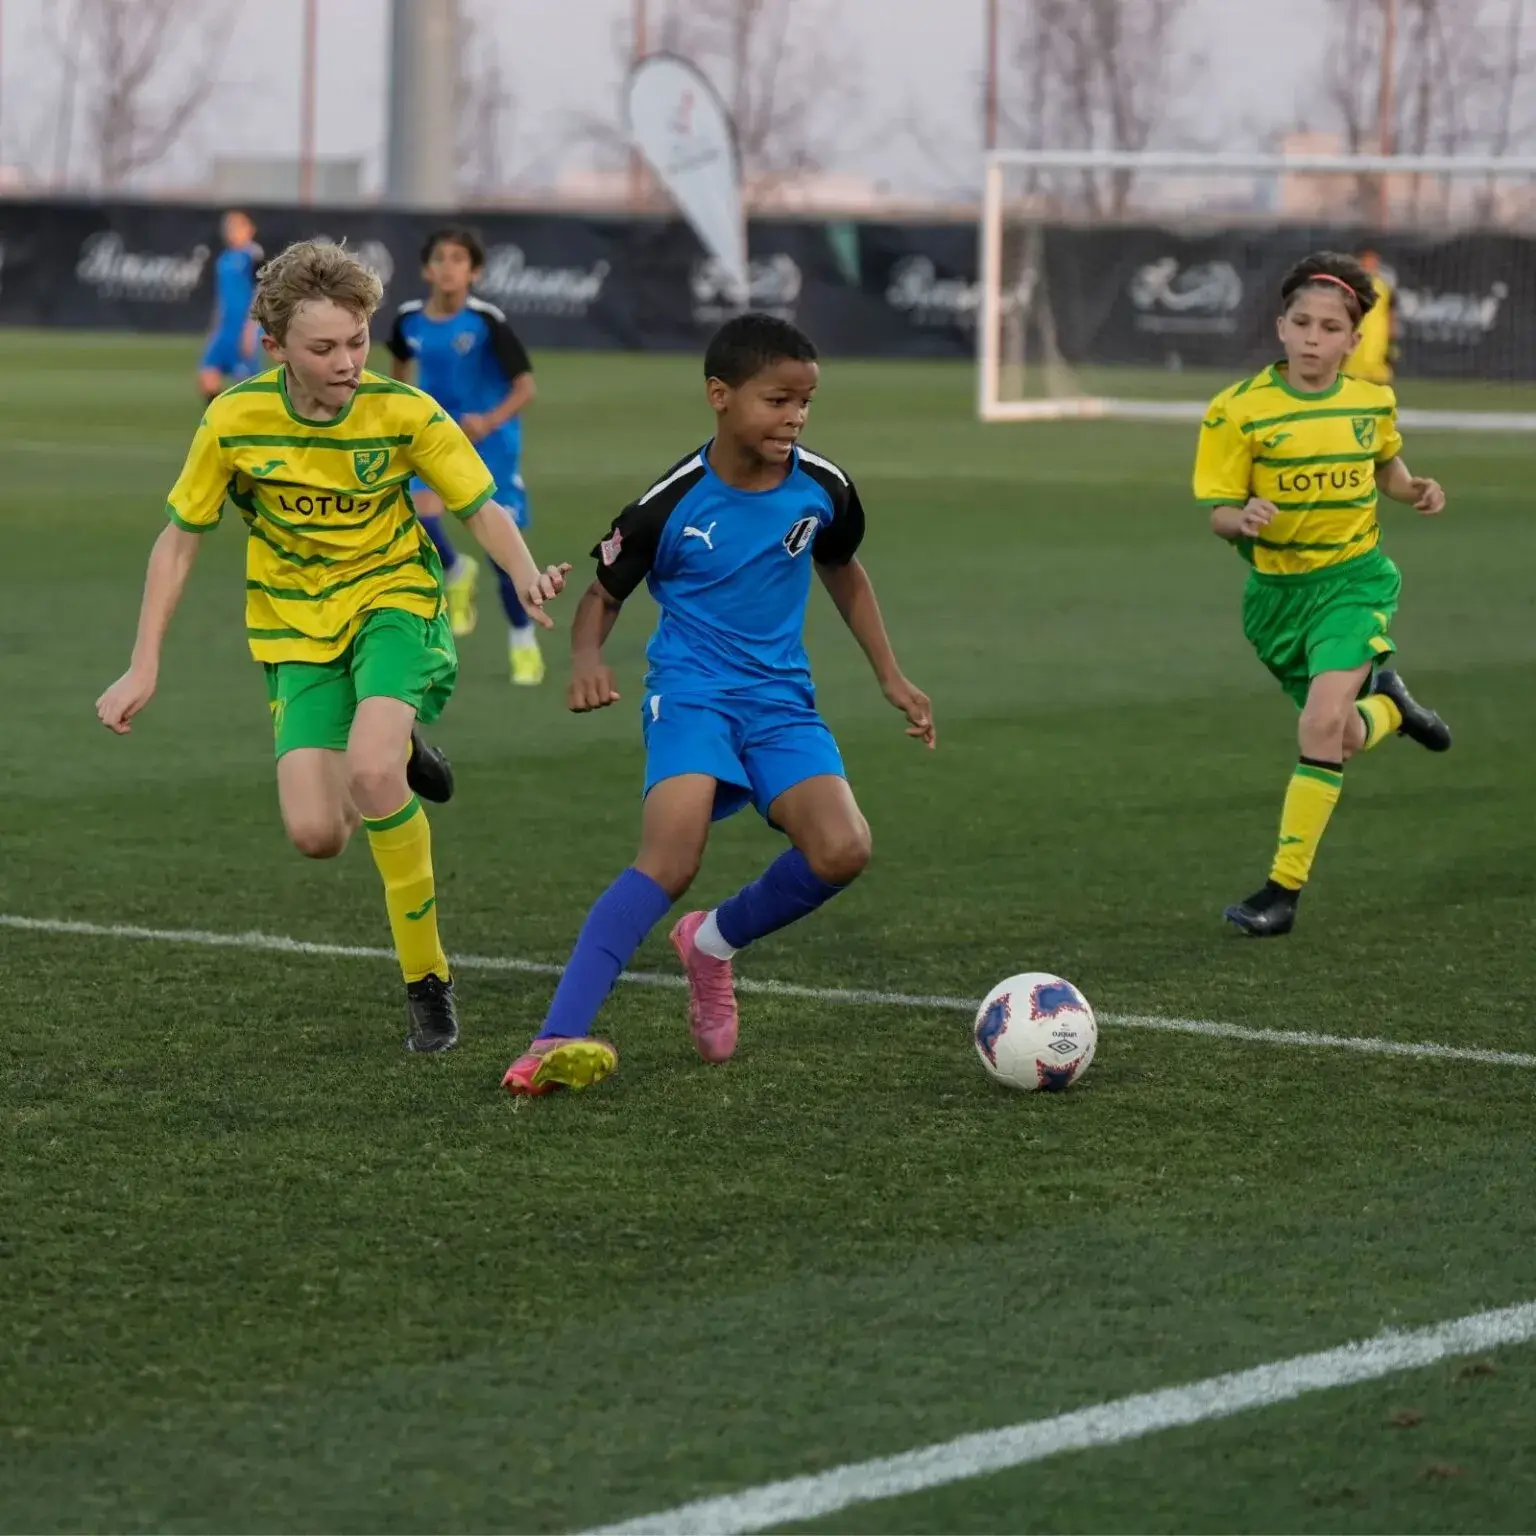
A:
<point x="1382" y="719"/>
<point x="402" y="849"/>
<point x="1309" y="802"/>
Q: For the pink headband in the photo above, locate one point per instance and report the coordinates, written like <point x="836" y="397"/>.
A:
<point x="1328" y="277"/>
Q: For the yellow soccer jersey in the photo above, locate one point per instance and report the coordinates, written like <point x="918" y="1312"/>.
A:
<point x="1313" y="455"/>
<point x="333" y="535"/>
<point x="1372" y="359"/>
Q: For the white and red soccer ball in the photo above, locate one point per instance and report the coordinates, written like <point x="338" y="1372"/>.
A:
<point x="1035" y="1031"/>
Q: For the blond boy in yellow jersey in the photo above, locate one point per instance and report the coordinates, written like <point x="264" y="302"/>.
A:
<point x="344" y="590"/>
<point x="1291" y="462"/>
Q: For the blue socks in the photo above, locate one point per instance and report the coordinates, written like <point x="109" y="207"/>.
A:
<point x="784" y="893"/>
<point x="615" y="928"/>
<point x="439" y="536"/>
<point x="513" y="609"/>
<point x="622" y="916"/>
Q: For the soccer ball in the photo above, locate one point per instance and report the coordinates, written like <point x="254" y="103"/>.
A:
<point x="1035" y="1031"/>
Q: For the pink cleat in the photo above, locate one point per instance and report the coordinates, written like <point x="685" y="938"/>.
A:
<point x="554" y="1061"/>
<point x="712" y="1017"/>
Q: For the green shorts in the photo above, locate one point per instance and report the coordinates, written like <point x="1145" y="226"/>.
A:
<point x="394" y="655"/>
<point x="1332" y="621"/>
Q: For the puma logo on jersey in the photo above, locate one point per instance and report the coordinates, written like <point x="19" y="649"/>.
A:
<point x="707" y="534"/>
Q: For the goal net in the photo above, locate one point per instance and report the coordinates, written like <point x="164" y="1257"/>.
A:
<point x="1138" y="285"/>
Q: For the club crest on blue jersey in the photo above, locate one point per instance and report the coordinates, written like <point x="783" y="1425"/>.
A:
<point x="1051" y="999"/>
<point x="992" y="1026"/>
<point x="800" y="536"/>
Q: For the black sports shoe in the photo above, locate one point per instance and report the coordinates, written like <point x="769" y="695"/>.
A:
<point x="429" y="1007"/>
<point x="1267" y="913"/>
<point x="428" y="773"/>
<point x="1419" y="724"/>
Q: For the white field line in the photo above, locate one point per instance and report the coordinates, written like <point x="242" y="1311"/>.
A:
<point x="1127" y="1418"/>
<point x="841" y="996"/>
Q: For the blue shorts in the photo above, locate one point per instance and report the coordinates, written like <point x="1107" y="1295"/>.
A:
<point x="754" y="751"/>
<point x="223" y="353"/>
<point x="510" y="490"/>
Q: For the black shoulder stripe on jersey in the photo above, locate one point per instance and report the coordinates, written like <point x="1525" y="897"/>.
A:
<point x="666" y="492"/>
<point x="627" y="554"/>
<point x="834" y="481"/>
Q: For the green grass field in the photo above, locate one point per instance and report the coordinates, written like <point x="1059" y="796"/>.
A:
<point x="262" y="1270"/>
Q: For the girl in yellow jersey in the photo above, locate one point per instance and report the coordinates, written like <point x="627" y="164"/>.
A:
<point x="1290" y="463"/>
<point x="344" y="603"/>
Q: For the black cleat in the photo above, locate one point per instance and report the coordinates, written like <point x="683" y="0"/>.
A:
<point x="1266" y="914"/>
<point x="428" y="773"/>
<point x="1419" y="724"/>
<point x="429" y="1007"/>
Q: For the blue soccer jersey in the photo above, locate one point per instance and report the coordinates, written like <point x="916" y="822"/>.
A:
<point x="466" y="362"/>
<point x="234" y="285"/>
<point x="731" y="572"/>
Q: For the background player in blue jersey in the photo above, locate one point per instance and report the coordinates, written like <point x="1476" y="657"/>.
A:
<point x="473" y="365"/>
<point x="232" y="352"/>
<point x="726" y="542"/>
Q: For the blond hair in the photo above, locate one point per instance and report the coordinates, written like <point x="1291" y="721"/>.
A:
<point x="307" y="271"/>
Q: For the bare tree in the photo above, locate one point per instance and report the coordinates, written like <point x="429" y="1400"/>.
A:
<point x="485" y="104"/>
<point x="141" y="72"/>
<point x="1459" y="80"/>
<point x="1459" y="74"/>
<point x="1095" y="74"/>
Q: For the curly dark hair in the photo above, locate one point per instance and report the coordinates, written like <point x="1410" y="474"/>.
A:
<point x="455" y="234"/>
<point x="747" y="344"/>
<point x="1331" y="269"/>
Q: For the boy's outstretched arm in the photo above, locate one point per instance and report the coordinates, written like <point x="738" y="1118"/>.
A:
<point x="170" y="563"/>
<point x="500" y="538"/>
<point x="479" y="425"/>
<point x="854" y="593"/>
<point x="1417" y="491"/>
<point x="591" y="685"/>
<point x="512" y="358"/>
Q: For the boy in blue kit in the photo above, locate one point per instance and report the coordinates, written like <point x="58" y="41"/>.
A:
<point x="231" y="353"/>
<point x="474" y="366"/>
<point x="726" y="542"/>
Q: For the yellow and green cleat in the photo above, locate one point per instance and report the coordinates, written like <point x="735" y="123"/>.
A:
<point x="527" y="664"/>
<point x="557" y="1061"/>
<point x="460" y="590"/>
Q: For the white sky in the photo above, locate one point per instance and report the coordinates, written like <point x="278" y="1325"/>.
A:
<point x="561" y="60"/>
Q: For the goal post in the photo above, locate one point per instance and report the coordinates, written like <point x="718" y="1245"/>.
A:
<point x="1135" y="285"/>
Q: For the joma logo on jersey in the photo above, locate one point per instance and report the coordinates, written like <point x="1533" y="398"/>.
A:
<point x="798" y="537"/>
<point x="370" y="464"/>
<point x="319" y="506"/>
<point x="1365" y="430"/>
<point x="1350" y="479"/>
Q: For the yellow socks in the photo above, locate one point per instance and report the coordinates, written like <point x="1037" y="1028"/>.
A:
<point x="1309" y="802"/>
<point x="1382" y="718"/>
<point x="402" y="848"/>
